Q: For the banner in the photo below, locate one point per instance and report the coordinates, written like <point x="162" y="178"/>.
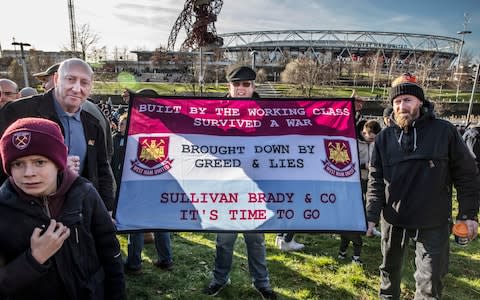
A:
<point x="241" y="165"/>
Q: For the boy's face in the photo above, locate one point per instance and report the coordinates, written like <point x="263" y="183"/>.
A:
<point x="368" y="135"/>
<point x="35" y="175"/>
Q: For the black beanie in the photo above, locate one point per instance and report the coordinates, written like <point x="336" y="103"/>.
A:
<point x="406" y="88"/>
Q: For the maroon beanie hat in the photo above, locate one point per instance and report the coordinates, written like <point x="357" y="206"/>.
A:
<point x="33" y="136"/>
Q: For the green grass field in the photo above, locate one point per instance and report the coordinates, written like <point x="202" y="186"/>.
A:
<point x="288" y="90"/>
<point x="313" y="273"/>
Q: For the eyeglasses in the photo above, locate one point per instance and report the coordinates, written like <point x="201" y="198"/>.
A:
<point x="245" y="84"/>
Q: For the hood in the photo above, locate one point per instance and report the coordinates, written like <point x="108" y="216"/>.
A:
<point x="407" y="138"/>
<point x="52" y="203"/>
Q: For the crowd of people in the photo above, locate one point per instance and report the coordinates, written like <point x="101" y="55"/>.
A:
<point x="61" y="166"/>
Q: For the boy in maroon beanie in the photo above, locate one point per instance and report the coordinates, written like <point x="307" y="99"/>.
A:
<point x="58" y="241"/>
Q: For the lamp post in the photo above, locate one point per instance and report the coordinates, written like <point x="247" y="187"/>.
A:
<point x="463" y="33"/>
<point x="253" y="54"/>
<point x="470" y="105"/>
<point x="22" y="59"/>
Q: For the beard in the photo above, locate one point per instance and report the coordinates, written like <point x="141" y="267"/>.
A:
<point x="403" y="120"/>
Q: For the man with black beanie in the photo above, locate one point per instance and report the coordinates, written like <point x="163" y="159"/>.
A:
<point x="414" y="164"/>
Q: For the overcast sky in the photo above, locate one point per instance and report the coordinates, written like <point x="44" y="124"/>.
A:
<point x="146" y="24"/>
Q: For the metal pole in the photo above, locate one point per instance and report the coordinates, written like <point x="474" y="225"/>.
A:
<point x="458" y="63"/>
<point x="463" y="32"/>
<point x="374" y="73"/>
<point x="470" y="105"/>
<point x="253" y="54"/>
<point x="200" y="75"/>
<point x="22" y="59"/>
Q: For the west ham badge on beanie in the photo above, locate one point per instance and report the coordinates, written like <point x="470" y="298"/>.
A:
<point x="33" y="136"/>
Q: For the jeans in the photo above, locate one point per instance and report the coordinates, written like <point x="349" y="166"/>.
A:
<point x="356" y="240"/>
<point x="431" y="260"/>
<point x="256" y="254"/>
<point x="135" y="247"/>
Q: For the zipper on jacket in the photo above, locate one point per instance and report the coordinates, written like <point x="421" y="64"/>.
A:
<point x="76" y="235"/>
<point x="45" y="206"/>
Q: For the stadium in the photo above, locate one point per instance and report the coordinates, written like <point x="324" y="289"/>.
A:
<point x="386" y="51"/>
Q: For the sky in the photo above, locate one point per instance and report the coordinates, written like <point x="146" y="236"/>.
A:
<point x="146" y="24"/>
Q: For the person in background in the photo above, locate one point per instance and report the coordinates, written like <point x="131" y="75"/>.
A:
<point x="415" y="163"/>
<point x="8" y="91"/>
<point x="119" y="144"/>
<point x="46" y="77"/>
<point x="27" y="91"/>
<point x="241" y="83"/>
<point x="366" y="140"/>
<point x="58" y="241"/>
<point x="472" y="140"/>
<point x="84" y="136"/>
<point x="387" y="115"/>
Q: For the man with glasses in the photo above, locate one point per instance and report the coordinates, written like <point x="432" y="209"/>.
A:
<point x="8" y="91"/>
<point x="241" y="84"/>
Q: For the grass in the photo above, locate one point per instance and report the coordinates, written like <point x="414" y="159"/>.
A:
<point x="314" y="273"/>
<point x="289" y="90"/>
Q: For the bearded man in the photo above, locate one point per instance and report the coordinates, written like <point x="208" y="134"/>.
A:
<point x="415" y="163"/>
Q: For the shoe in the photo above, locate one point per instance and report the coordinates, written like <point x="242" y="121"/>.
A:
<point x="266" y="292"/>
<point x="214" y="288"/>
<point x="131" y="270"/>
<point x="290" y="246"/>
<point x="356" y="260"/>
<point x="376" y="233"/>
<point x="342" y="255"/>
<point x="164" y="265"/>
<point x="278" y="240"/>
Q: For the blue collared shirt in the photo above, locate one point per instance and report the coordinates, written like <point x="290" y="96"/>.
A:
<point x="74" y="134"/>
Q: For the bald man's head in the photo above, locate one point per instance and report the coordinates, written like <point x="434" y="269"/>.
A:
<point x="8" y="90"/>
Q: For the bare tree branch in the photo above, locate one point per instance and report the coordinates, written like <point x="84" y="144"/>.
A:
<point x="86" y="38"/>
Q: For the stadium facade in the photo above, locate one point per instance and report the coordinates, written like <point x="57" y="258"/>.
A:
<point x="272" y="50"/>
<point x="406" y="51"/>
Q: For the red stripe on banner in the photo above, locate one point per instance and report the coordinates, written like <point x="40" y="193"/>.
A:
<point x="245" y="117"/>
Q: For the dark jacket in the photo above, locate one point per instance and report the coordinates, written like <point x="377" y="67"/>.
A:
<point x="87" y="266"/>
<point x="472" y="139"/>
<point x="119" y="144"/>
<point x="97" y="167"/>
<point x="411" y="174"/>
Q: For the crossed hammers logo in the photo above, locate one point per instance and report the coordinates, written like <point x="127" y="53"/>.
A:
<point x="21" y="139"/>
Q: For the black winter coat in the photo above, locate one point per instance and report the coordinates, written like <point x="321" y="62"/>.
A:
<point x="97" y="167"/>
<point x="411" y="174"/>
<point x="119" y="145"/>
<point x="87" y="266"/>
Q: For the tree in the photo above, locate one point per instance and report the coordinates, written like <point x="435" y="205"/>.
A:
<point x="15" y="73"/>
<point x="160" y="57"/>
<point x="86" y="38"/>
<point x="303" y="71"/>
<point x="261" y="76"/>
